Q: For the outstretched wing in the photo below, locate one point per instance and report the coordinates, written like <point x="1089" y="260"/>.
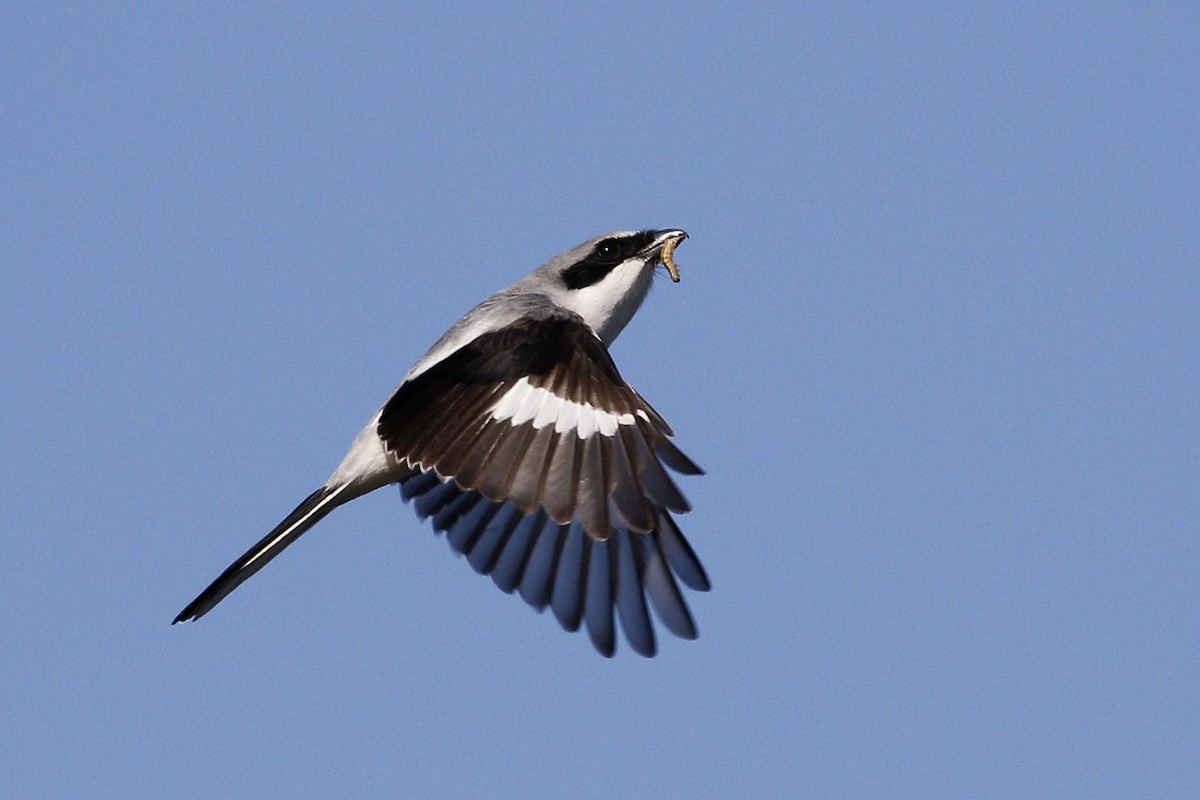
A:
<point x="580" y="578"/>
<point x="527" y="441"/>
<point x="535" y="414"/>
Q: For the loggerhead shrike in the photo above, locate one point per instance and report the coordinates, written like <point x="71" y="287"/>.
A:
<point x="518" y="436"/>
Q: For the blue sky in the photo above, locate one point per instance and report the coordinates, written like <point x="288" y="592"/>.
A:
<point x="936" y="345"/>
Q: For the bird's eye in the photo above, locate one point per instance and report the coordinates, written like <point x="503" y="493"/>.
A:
<point x="608" y="250"/>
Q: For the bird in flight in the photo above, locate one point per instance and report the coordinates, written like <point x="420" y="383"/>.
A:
<point x="517" y="436"/>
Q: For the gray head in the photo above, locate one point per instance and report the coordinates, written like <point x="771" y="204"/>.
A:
<point x="605" y="279"/>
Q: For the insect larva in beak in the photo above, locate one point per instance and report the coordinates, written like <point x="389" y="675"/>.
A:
<point x="668" y="260"/>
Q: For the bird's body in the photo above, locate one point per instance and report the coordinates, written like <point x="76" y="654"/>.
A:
<point x="516" y="433"/>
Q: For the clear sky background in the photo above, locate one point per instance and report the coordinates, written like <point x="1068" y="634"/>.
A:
<point x="936" y="344"/>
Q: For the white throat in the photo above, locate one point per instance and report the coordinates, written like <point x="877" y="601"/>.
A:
<point x="608" y="305"/>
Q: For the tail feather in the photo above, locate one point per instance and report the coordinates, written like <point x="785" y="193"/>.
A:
<point x="311" y="511"/>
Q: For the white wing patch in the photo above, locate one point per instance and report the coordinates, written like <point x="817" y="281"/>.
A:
<point x="524" y="403"/>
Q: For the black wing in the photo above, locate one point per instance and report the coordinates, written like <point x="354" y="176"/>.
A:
<point x="547" y="470"/>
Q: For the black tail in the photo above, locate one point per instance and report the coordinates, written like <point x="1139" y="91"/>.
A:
<point x="308" y="513"/>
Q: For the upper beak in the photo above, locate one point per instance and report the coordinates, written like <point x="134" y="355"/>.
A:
<point x="663" y="248"/>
